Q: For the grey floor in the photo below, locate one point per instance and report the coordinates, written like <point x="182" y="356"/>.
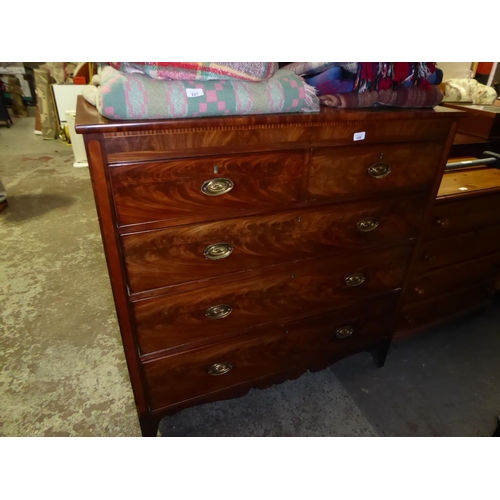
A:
<point x="62" y="369"/>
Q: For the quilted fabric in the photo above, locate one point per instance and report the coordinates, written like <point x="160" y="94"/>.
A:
<point x="133" y="96"/>
<point x="248" y="71"/>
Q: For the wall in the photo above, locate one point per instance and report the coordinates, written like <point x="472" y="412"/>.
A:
<point x="455" y="69"/>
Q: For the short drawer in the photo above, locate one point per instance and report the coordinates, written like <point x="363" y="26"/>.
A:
<point x="463" y="215"/>
<point x="370" y="169"/>
<point x="450" y="278"/>
<point x="248" y="357"/>
<point x="164" y="257"/>
<point x="456" y="249"/>
<point x="448" y="305"/>
<point x="148" y="192"/>
<point x="305" y="289"/>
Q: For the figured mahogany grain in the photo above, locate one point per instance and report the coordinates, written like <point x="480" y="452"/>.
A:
<point x="175" y="255"/>
<point x="307" y="289"/>
<point x="339" y="171"/>
<point x="184" y="376"/>
<point x="172" y="189"/>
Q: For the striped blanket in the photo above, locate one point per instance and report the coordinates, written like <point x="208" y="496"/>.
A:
<point x="122" y="96"/>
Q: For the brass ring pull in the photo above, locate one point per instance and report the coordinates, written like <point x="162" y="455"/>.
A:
<point x="219" y="311"/>
<point x="355" y="279"/>
<point x="217" y="187"/>
<point x="344" y="332"/>
<point x="368" y="224"/>
<point x="218" y="251"/>
<point x="219" y="368"/>
<point x="379" y="170"/>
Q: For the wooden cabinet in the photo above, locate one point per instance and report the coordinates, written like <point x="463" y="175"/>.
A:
<point x="458" y="260"/>
<point x="243" y="251"/>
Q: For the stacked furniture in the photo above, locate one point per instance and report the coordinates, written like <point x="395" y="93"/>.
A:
<point x="458" y="262"/>
<point x="245" y="250"/>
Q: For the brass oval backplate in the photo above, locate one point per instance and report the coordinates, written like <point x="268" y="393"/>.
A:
<point x="379" y="170"/>
<point x="218" y="251"/>
<point x="368" y="224"/>
<point x="219" y="311"/>
<point x="355" y="279"/>
<point x="217" y="187"/>
<point x="219" y="368"/>
<point x="344" y="332"/>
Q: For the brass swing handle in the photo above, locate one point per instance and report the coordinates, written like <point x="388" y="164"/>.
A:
<point x="379" y="170"/>
<point x="217" y="187"/>
<point x="218" y="251"/>
<point x="219" y="311"/>
<point x="344" y="332"/>
<point x="368" y="224"/>
<point x="219" y="368"/>
<point x="355" y="279"/>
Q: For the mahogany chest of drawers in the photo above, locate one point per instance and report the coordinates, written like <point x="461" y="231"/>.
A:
<point x="458" y="260"/>
<point x="243" y="251"/>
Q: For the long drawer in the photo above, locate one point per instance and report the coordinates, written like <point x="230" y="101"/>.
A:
<point x="305" y="289"/>
<point x="152" y="191"/>
<point x="351" y="170"/>
<point x="458" y="248"/>
<point x="426" y="312"/>
<point x="452" y="277"/>
<point x="164" y="257"/>
<point x="201" y="371"/>
<point x="463" y="215"/>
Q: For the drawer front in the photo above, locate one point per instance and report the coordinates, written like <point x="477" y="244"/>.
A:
<point x="456" y="249"/>
<point x="201" y="371"/>
<point x="426" y="312"/>
<point x="321" y="286"/>
<point x="148" y="192"/>
<point x="186" y="253"/>
<point x="452" y="277"/>
<point x="463" y="215"/>
<point x="369" y="169"/>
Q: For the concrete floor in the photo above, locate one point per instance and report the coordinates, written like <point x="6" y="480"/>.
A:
<point x="62" y="369"/>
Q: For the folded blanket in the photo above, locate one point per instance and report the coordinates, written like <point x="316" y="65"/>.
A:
<point x="314" y="68"/>
<point x="248" y="71"/>
<point x="403" y="97"/>
<point x="332" y="81"/>
<point x="468" y="90"/>
<point x="122" y="96"/>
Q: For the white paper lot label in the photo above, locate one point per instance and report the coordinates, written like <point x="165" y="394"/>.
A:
<point x="359" y="136"/>
<point x="194" y="92"/>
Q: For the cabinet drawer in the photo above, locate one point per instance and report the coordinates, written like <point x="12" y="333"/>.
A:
<point x="148" y="192"/>
<point x="305" y="289"/>
<point x="463" y="215"/>
<point x="175" y="255"/>
<point x="452" y="277"/>
<point x="438" y="308"/>
<point x="369" y="169"/>
<point x="187" y="375"/>
<point x="459" y="248"/>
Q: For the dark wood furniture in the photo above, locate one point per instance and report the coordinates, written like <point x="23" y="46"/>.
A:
<point x="458" y="261"/>
<point x="243" y="251"/>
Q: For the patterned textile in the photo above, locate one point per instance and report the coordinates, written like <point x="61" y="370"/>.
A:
<point x="248" y="71"/>
<point x="46" y="104"/>
<point x="132" y="96"/>
<point x="403" y="97"/>
<point x="332" y="81"/>
<point x="468" y="90"/>
<point x="314" y="68"/>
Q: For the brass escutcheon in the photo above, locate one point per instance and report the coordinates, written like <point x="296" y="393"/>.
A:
<point x="379" y="170"/>
<point x="355" y="279"/>
<point x="217" y="187"/>
<point x="344" y="332"/>
<point x="219" y="368"/>
<point x="368" y="224"/>
<point x="218" y="312"/>
<point x="218" y="251"/>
